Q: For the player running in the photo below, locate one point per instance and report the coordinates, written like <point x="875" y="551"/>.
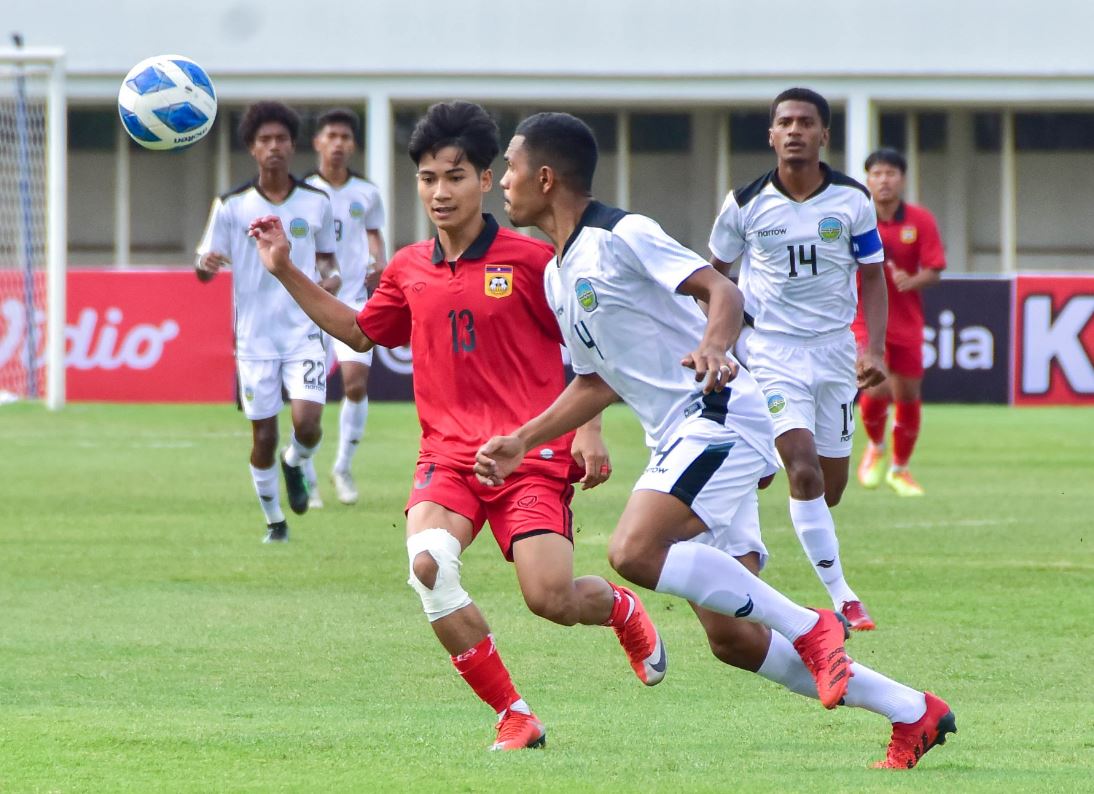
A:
<point x="803" y="230"/>
<point x="914" y="260"/>
<point x="277" y="345"/>
<point x="624" y="294"/>
<point x="486" y="353"/>
<point x="359" y="239"/>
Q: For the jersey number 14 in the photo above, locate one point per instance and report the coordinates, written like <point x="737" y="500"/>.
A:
<point x="802" y="259"/>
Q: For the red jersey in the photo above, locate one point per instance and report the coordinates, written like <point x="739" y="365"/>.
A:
<point x="911" y="242"/>
<point x="486" y="345"/>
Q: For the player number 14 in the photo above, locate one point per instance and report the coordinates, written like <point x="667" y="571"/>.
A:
<point x="802" y="259"/>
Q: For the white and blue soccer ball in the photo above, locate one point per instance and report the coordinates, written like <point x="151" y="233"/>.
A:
<point x="167" y="102"/>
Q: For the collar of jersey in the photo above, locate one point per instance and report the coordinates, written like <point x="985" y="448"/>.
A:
<point x="352" y="175"/>
<point x="477" y="249"/>
<point x="823" y="185"/>
<point x="295" y="183"/>
<point x="596" y="214"/>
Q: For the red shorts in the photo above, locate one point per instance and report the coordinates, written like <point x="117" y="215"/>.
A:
<point x="904" y="358"/>
<point x="526" y="505"/>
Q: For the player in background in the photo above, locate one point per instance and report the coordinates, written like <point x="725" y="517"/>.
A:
<point x="914" y="260"/>
<point x="487" y="357"/>
<point x="803" y="230"/>
<point x="358" y="232"/>
<point x="277" y="345"/>
<point x="622" y="291"/>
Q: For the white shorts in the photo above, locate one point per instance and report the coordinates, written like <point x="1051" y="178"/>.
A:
<point x="809" y="384"/>
<point x="344" y="353"/>
<point x="260" y="384"/>
<point x="708" y="467"/>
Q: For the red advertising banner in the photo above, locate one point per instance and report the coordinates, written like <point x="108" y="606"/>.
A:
<point x="134" y="336"/>
<point x="1053" y="340"/>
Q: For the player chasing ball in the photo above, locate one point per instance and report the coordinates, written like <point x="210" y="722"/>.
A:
<point x="624" y="294"/>
<point x="487" y="358"/>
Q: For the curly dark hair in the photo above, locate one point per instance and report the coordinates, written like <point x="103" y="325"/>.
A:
<point x="805" y="95"/>
<point x="262" y="112"/>
<point x="465" y="125"/>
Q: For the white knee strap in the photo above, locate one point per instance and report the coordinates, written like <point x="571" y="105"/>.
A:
<point x="446" y="595"/>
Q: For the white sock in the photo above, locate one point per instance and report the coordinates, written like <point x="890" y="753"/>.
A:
<point x="297" y="452"/>
<point x="517" y="705"/>
<point x="817" y="534"/>
<point x="308" y="465"/>
<point x="867" y="689"/>
<point x="351" y="427"/>
<point x="269" y="497"/>
<point x="717" y="581"/>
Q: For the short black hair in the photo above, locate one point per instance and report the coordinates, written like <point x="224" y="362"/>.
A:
<point x="888" y="157"/>
<point x="465" y="125"/>
<point x="340" y="116"/>
<point x="804" y="95"/>
<point x="263" y="112"/>
<point x="564" y="142"/>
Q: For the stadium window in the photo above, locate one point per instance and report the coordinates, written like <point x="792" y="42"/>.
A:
<point x="92" y="129"/>
<point x="748" y="130"/>
<point x="932" y="132"/>
<point x="891" y="129"/>
<point x="660" y="132"/>
<point x="987" y="131"/>
<point x="1054" y="132"/>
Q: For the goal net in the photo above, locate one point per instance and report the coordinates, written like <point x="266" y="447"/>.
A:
<point x="32" y="225"/>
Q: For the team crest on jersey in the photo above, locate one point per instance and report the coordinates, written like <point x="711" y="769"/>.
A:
<point x="830" y="229"/>
<point x="908" y="234"/>
<point x="298" y="227"/>
<point x="357" y="210"/>
<point x="586" y="295"/>
<point x="775" y="402"/>
<point x="499" y="281"/>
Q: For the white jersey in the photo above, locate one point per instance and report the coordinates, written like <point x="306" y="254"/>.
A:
<point x="613" y="291"/>
<point x="268" y="322"/>
<point x="800" y="258"/>
<point x="357" y="209"/>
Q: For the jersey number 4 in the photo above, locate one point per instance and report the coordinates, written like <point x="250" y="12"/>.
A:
<point x="802" y="259"/>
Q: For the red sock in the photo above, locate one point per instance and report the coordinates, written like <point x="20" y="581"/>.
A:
<point x="621" y="608"/>
<point x="875" y="413"/>
<point x="905" y="431"/>
<point x="483" y="670"/>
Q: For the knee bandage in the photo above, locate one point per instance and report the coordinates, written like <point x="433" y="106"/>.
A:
<point x="446" y="595"/>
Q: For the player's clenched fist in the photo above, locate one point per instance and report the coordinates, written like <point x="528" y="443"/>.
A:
<point x="273" y="245"/>
<point x="498" y="458"/>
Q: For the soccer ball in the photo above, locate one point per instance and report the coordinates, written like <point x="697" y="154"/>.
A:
<point x="167" y="102"/>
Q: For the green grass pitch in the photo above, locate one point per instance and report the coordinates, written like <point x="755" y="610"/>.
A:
<point x="149" y="642"/>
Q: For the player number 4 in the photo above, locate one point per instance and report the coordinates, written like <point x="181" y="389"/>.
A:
<point x="802" y="259"/>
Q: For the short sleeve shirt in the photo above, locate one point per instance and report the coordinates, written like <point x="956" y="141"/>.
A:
<point x="268" y="322"/>
<point x="486" y="348"/>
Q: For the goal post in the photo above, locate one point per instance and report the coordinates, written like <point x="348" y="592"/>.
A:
<point x="33" y="238"/>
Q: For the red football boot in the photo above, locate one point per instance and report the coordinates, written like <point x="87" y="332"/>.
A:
<point x="857" y="616"/>
<point x="821" y="648"/>
<point x="912" y="740"/>
<point x="640" y="640"/>
<point x="517" y="731"/>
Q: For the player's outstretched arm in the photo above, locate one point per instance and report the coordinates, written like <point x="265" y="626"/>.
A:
<point x="870" y="367"/>
<point x="581" y="401"/>
<point x="725" y="312"/>
<point x="329" y="313"/>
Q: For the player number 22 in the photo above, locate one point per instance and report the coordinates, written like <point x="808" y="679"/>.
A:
<point x="802" y="259"/>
